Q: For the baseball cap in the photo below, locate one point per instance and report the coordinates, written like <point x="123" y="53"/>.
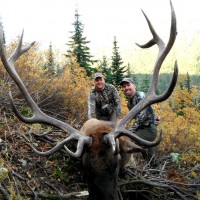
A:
<point x="128" y="80"/>
<point x="98" y="75"/>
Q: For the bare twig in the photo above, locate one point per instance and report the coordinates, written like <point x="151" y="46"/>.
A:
<point x="5" y="193"/>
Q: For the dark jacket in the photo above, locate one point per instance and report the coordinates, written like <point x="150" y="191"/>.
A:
<point x="146" y="116"/>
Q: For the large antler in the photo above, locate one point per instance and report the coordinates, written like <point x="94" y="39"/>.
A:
<point x="38" y="115"/>
<point x="151" y="96"/>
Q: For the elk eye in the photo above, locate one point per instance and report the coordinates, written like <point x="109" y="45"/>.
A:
<point x="102" y="136"/>
<point x="102" y="153"/>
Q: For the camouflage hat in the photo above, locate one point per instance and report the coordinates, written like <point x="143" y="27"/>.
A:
<point x="98" y="75"/>
<point x="128" y="80"/>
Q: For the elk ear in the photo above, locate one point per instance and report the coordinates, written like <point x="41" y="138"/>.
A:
<point x="127" y="146"/>
<point x="134" y="148"/>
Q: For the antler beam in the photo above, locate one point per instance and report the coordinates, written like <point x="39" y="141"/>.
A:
<point x="38" y="115"/>
<point x="151" y="96"/>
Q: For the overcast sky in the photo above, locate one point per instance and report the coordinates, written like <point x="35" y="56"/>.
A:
<point x="51" y="20"/>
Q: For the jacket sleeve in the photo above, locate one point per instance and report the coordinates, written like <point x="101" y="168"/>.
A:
<point x="141" y="117"/>
<point x="117" y="102"/>
<point x="91" y="106"/>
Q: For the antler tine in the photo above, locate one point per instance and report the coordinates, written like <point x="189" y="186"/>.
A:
<point x="62" y="144"/>
<point x="120" y="130"/>
<point x="163" y="51"/>
<point x="155" y="40"/>
<point x="38" y="115"/>
<point x="20" y="50"/>
<point x="151" y="96"/>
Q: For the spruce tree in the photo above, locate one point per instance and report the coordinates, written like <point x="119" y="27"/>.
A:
<point x="50" y="65"/>
<point x="105" y="69"/>
<point x="116" y="67"/>
<point x="78" y="46"/>
<point x="128" y="72"/>
<point x="103" y="64"/>
<point x="188" y="83"/>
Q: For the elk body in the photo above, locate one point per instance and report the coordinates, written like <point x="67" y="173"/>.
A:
<point x="103" y="146"/>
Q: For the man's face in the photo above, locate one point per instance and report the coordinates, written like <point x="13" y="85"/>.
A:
<point x="99" y="83"/>
<point x="129" y="89"/>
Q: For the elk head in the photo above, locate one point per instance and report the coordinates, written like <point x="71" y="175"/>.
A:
<point x="102" y="145"/>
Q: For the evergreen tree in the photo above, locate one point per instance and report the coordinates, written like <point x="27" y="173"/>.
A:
<point x="128" y="71"/>
<point x="108" y="76"/>
<point x="188" y="83"/>
<point x="105" y="69"/>
<point x="103" y="64"/>
<point x="78" y="46"/>
<point x="117" y="69"/>
<point x="50" y="65"/>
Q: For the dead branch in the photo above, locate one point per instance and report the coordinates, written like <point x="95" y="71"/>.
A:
<point x="4" y="192"/>
<point x="73" y="195"/>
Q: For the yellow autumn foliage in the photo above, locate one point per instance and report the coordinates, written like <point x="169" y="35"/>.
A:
<point x="28" y="66"/>
<point x="74" y="88"/>
<point x="180" y="123"/>
<point x="180" y="117"/>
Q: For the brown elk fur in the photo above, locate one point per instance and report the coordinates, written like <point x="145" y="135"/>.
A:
<point x="97" y="129"/>
<point x="101" y="163"/>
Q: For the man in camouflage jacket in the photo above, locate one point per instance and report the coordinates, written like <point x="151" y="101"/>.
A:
<point x="104" y="101"/>
<point x="144" y="125"/>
